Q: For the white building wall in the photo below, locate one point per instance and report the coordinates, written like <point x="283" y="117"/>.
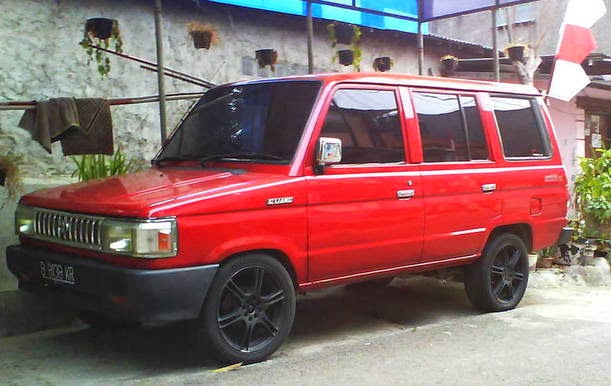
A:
<point x="568" y="119"/>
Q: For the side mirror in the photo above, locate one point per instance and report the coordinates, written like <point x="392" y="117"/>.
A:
<point x="329" y="151"/>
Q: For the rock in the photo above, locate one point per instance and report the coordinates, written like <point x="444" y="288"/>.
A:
<point x="597" y="274"/>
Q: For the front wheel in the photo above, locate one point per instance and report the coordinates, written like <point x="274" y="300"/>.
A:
<point x="497" y="281"/>
<point x="249" y="309"/>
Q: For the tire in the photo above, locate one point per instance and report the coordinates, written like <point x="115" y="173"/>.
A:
<point x="371" y="284"/>
<point x="498" y="280"/>
<point x="249" y="310"/>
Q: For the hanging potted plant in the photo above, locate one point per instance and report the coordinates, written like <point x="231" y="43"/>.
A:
<point x="350" y="57"/>
<point x="340" y="33"/>
<point x="203" y="35"/>
<point x="101" y="32"/>
<point x="382" y="64"/>
<point x="10" y="178"/>
<point x="516" y="52"/>
<point x="267" y="57"/>
<point x="449" y="63"/>
<point x="345" y="57"/>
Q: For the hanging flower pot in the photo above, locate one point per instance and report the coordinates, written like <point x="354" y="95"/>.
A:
<point x="102" y="33"/>
<point x="266" y="57"/>
<point x="449" y="63"/>
<point x="201" y="39"/>
<point x="382" y="64"/>
<point x="203" y="35"/>
<point x="343" y="33"/>
<point x="346" y="57"/>
<point x="516" y="52"/>
<point x="99" y="27"/>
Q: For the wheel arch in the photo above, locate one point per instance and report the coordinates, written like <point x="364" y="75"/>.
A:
<point x="523" y="231"/>
<point x="276" y="254"/>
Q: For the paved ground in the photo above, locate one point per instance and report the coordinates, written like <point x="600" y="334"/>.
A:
<point x="416" y="331"/>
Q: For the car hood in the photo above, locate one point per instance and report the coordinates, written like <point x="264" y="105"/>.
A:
<point x="154" y="192"/>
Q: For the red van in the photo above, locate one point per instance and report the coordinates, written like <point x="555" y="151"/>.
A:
<point x="277" y="186"/>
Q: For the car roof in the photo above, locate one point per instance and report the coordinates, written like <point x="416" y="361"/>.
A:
<point x="407" y="80"/>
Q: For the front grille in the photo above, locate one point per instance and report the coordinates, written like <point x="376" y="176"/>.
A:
<point x="68" y="228"/>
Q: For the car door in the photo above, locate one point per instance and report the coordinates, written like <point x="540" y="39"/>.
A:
<point x="365" y="214"/>
<point x="459" y="176"/>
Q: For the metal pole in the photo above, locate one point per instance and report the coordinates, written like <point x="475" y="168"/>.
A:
<point x="310" y="27"/>
<point x="161" y="70"/>
<point x="495" y="46"/>
<point x="420" y="40"/>
<point x="420" y="50"/>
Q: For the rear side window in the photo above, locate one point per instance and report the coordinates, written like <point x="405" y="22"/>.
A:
<point x="521" y="127"/>
<point x="368" y="124"/>
<point x="450" y="127"/>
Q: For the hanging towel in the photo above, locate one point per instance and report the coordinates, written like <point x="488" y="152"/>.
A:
<point x="94" y="133"/>
<point x="50" y="120"/>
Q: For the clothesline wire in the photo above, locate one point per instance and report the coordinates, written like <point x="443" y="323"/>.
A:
<point x="30" y="105"/>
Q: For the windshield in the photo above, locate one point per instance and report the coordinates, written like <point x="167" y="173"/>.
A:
<point x="262" y="121"/>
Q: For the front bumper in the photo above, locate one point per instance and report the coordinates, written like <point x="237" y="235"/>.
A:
<point x="146" y="296"/>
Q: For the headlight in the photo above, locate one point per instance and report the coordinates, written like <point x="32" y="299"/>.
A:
<point x="25" y="217"/>
<point x="148" y="239"/>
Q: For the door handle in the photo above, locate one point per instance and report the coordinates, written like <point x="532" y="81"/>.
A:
<point x="487" y="188"/>
<point x="405" y="194"/>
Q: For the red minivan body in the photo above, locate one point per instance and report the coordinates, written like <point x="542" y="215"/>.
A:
<point x="282" y="185"/>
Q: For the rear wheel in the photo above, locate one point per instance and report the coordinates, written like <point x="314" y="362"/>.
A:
<point x="249" y="309"/>
<point x="497" y="281"/>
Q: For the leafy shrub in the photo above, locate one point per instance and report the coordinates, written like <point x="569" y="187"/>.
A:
<point x="593" y="189"/>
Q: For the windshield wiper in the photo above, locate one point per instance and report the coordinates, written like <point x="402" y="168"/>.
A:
<point x="163" y="160"/>
<point x="240" y="156"/>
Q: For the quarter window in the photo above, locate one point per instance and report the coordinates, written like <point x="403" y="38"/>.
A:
<point x="521" y="128"/>
<point x="367" y="122"/>
<point x="450" y="128"/>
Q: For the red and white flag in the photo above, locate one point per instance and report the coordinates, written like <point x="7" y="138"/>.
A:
<point x="576" y="43"/>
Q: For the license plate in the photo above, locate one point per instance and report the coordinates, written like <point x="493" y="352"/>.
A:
<point x="60" y="273"/>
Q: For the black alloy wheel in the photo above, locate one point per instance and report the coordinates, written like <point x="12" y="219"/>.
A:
<point x="505" y="274"/>
<point x="249" y="310"/>
<point x="497" y="281"/>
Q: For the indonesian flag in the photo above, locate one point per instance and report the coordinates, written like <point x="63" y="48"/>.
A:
<point x="576" y="42"/>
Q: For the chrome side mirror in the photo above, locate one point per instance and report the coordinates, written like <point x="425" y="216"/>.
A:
<point x="329" y="151"/>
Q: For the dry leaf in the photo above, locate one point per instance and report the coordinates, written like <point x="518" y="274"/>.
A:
<point x="228" y="368"/>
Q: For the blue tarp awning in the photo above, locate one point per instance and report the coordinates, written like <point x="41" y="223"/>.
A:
<point x="399" y="15"/>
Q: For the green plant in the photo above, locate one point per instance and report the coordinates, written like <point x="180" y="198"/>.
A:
<point x="90" y="39"/>
<point x="548" y="252"/>
<point x="9" y="174"/>
<point x="592" y="192"/>
<point x="93" y="166"/>
<point x="355" y="48"/>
